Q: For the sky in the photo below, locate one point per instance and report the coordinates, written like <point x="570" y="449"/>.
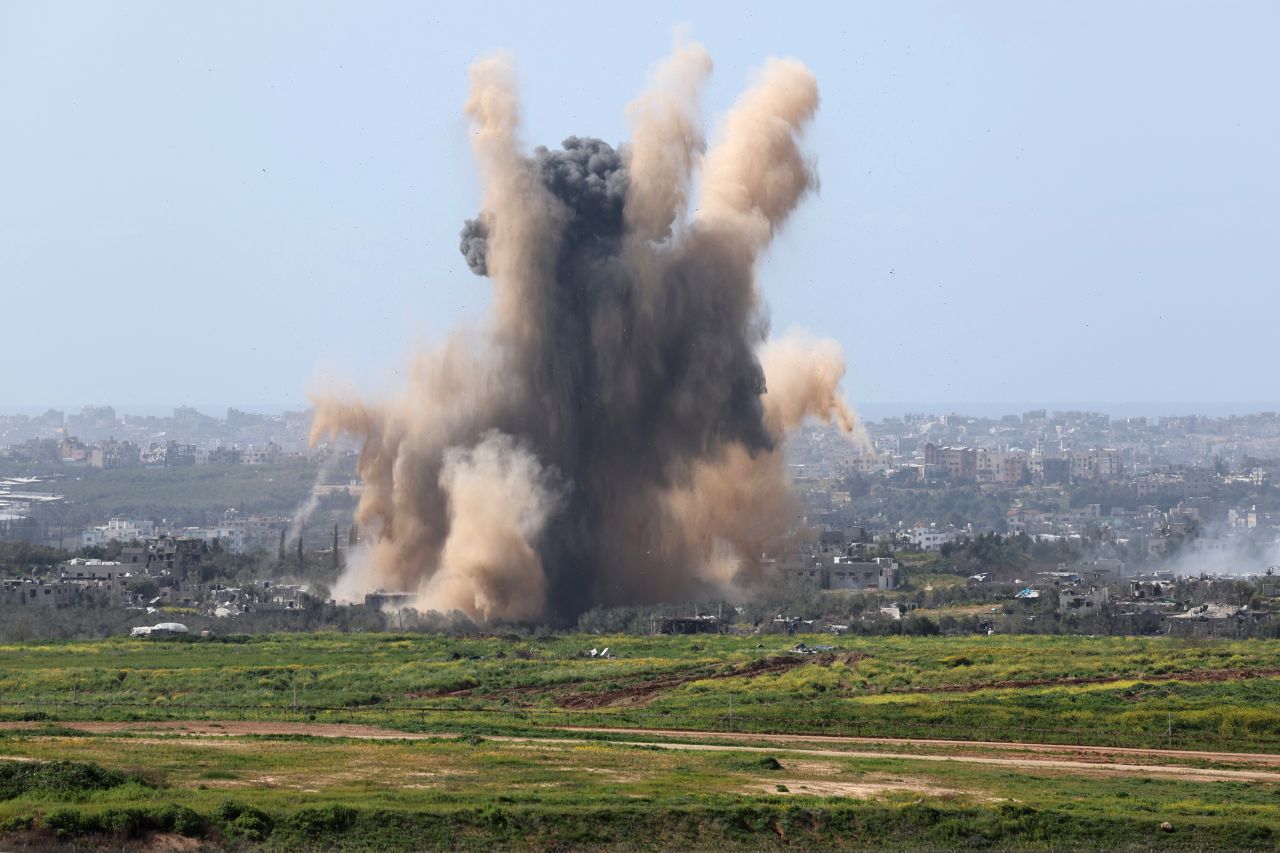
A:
<point x="234" y="203"/>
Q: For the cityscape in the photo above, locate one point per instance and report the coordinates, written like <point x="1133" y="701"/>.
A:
<point x="1042" y="521"/>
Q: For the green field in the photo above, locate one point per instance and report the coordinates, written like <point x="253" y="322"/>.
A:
<point x="186" y="496"/>
<point x="480" y="742"/>
<point x="1062" y="689"/>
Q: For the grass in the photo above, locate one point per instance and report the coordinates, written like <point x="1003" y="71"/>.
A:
<point x="475" y="789"/>
<point x="400" y="795"/>
<point x="1113" y="690"/>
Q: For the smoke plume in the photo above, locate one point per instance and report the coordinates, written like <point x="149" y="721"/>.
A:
<point x="614" y="434"/>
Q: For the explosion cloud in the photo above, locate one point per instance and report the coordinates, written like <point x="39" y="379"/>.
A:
<point x="614" y="434"/>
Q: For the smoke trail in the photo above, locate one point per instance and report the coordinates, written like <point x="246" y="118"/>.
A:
<point x="614" y="435"/>
<point x="304" y="512"/>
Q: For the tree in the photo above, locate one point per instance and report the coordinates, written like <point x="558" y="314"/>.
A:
<point x="280" y="555"/>
<point x="352" y="536"/>
<point x="334" y="556"/>
<point x="146" y="588"/>
<point x="301" y="560"/>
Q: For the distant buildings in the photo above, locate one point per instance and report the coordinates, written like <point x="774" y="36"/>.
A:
<point x="38" y="593"/>
<point x="264" y="454"/>
<point x="119" y="529"/>
<point x="961" y="464"/>
<point x="237" y="533"/>
<point x="114" y="454"/>
<point x="104" y="574"/>
<point x="1212" y="620"/>
<point x="1083" y="602"/>
<point x="931" y="538"/>
<point x="956" y="463"/>
<point x="100" y="437"/>
<point x="1006" y="468"/>
<point x="171" y="454"/>
<point x="1095" y="464"/>
<point x="843" y="574"/>
<point x="879" y="573"/>
<point x="382" y="600"/>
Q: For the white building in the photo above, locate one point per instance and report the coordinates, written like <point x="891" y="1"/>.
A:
<point x="79" y="569"/>
<point x="119" y="529"/>
<point x="930" y="538"/>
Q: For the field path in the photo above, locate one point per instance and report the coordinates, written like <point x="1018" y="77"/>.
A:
<point x="1259" y="758"/>
<point x="1053" y="757"/>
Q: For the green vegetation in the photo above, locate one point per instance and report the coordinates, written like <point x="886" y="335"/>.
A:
<point x="190" y="495"/>
<point x="492" y="766"/>
<point x="1104" y="690"/>
<point x="58" y="779"/>
<point x="991" y="550"/>
<point x="909" y="502"/>
<point x="334" y="793"/>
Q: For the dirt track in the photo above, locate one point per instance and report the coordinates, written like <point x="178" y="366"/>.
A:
<point x="1193" y="676"/>
<point x="1265" y="759"/>
<point x="1051" y="757"/>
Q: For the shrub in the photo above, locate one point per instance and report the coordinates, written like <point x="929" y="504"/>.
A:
<point x="16" y="824"/>
<point x="251" y="826"/>
<point x="126" y="822"/>
<point x="122" y="822"/>
<point x="245" y="822"/>
<point x="181" y="820"/>
<point x="318" y="821"/>
<point x="66" y="779"/>
<point x="63" y="823"/>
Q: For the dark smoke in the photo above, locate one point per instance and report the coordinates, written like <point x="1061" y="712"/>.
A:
<point x="475" y="242"/>
<point x="614" y="439"/>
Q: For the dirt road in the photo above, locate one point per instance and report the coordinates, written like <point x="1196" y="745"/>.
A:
<point x="1266" y="759"/>
<point x="1082" y="760"/>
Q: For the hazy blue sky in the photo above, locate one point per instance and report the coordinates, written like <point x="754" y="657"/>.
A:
<point x="1020" y="201"/>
